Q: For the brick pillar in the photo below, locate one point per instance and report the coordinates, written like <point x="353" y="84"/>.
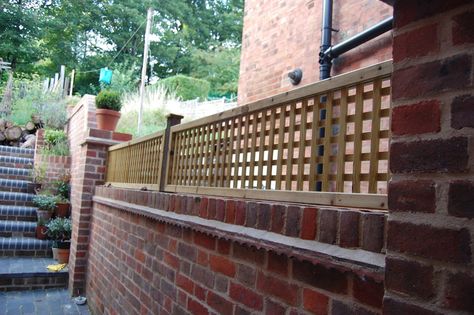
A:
<point x="429" y="264"/>
<point x="88" y="153"/>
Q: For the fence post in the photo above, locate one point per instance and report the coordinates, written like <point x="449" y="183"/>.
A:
<point x="171" y="120"/>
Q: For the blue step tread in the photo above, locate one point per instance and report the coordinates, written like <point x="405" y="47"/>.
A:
<point x="8" y="211"/>
<point x="24" y="243"/>
<point x="10" y="161"/>
<point x="15" y="151"/>
<point x="17" y="226"/>
<point x="15" y="196"/>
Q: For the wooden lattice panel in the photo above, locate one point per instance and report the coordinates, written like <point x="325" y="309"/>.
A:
<point x="334" y="141"/>
<point x="137" y="162"/>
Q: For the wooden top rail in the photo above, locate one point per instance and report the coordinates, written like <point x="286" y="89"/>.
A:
<point x="324" y="143"/>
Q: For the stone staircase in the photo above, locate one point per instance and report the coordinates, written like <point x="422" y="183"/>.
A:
<point x="23" y="258"/>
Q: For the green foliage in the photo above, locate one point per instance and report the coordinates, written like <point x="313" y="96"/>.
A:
<point x="62" y="189"/>
<point x="187" y="88"/>
<point x="45" y="202"/>
<point x="108" y="99"/>
<point x="125" y="78"/>
<point x="220" y="67"/>
<point x="38" y="173"/>
<point x="55" y="143"/>
<point x="153" y="120"/>
<point x="59" y="229"/>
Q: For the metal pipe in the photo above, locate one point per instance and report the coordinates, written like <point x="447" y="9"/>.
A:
<point x="326" y="34"/>
<point x="366" y="35"/>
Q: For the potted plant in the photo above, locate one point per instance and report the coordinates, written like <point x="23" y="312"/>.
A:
<point x="46" y="204"/>
<point x="41" y="229"/>
<point x="62" y="207"/>
<point x="38" y="175"/>
<point x="108" y="105"/>
<point x="59" y="230"/>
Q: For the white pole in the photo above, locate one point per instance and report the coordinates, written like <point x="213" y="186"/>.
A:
<point x="145" y="62"/>
<point x="72" y="81"/>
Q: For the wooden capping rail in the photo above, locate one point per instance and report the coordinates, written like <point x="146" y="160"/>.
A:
<point x="357" y="200"/>
<point x="353" y="77"/>
<point x="313" y="251"/>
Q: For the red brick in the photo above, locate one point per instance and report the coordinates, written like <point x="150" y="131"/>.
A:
<point x="263" y="216"/>
<point x="373" y="225"/>
<point x="441" y="155"/>
<point x="184" y="283"/>
<point x="278" y="218"/>
<point x="315" y="302"/>
<point x="140" y="255"/>
<point x="230" y="211"/>
<point x="411" y="11"/>
<point x="458" y="292"/>
<point x="118" y="136"/>
<point x="204" y="240"/>
<point x="416" y="43"/>
<point x="394" y="307"/>
<point x="417" y="118"/>
<point x="462" y="31"/>
<point x="219" y="303"/>
<point x="349" y="229"/>
<point x="222" y="265"/>
<point x="461" y="199"/>
<point x="249" y="254"/>
<point x="245" y="296"/>
<point x="203" y="208"/>
<point x="341" y="308"/>
<point x="196" y="308"/>
<point x="320" y="276"/>
<point x="278" y="263"/>
<point x="223" y="246"/>
<point x="186" y="251"/>
<point x="240" y="213"/>
<point x="220" y="210"/>
<point x="328" y="225"/>
<point x="409" y="277"/>
<point x="412" y="196"/>
<point x="211" y="209"/>
<point x="441" y="244"/>
<point x="274" y="308"/>
<point x="368" y="291"/>
<point x="247" y="275"/>
<point x="293" y="221"/>
<point x="251" y="214"/>
<point x="277" y="288"/>
<point x="445" y="75"/>
<point x="462" y="112"/>
<point x="309" y="223"/>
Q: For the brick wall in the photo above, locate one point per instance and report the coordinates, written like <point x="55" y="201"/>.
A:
<point x="154" y="252"/>
<point x="281" y="36"/>
<point x="88" y="148"/>
<point x="429" y="266"/>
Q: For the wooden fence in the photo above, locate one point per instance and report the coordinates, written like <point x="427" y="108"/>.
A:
<point x="325" y="143"/>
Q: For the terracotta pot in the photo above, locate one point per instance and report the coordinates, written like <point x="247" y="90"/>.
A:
<point x="32" y="188"/>
<point x="62" y="210"/>
<point x="63" y="255"/>
<point x="55" y="253"/>
<point x="45" y="214"/>
<point x="41" y="232"/>
<point x="107" y="119"/>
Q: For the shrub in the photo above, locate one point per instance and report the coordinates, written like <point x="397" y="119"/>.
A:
<point x="59" y="229"/>
<point x="108" y="99"/>
<point x="52" y="137"/>
<point x="55" y="143"/>
<point x="45" y="202"/>
<point x="186" y="88"/>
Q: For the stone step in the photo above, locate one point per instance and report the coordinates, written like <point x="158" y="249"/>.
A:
<point x="13" y="185"/>
<point x="16" y="198"/>
<point x="14" y="151"/>
<point x="15" y="173"/>
<point x="25" y="246"/>
<point x="16" y="162"/>
<point x="29" y="273"/>
<point x="18" y="213"/>
<point x="17" y="229"/>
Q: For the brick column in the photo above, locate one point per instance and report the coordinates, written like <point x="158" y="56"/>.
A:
<point x="88" y="153"/>
<point x="429" y="264"/>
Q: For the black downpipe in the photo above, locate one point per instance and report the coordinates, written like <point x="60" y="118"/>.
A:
<point x="366" y="35"/>
<point x="326" y="35"/>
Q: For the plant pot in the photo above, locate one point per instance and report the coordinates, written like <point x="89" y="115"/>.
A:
<point x="55" y="252"/>
<point x="32" y="188"/>
<point x="107" y="119"/>
<point x="63" y="255"/>
<point x="45" y="214"/>
<point x="62" y="210"/>
<point x="41" y="232"/>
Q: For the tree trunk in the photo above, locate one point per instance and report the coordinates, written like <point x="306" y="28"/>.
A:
<point x="30" y="127"/>
<point x="13" y="133"/>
